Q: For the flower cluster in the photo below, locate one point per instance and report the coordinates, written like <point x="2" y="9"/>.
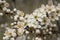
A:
<point x="40" y="23"/>
<point x="4" y="6"/>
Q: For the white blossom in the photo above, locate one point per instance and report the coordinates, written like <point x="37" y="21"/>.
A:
<point x="20" y="31"/>
<point x="12" y="39"/>
<point x="10" y="32"/>
<point x="37" y="31"/>
<point x="5" y="38"/>
<point x="1" y="14"/>
<point x="38" y="38"/>
<point x="51" y="8"/>
<point x="14" y="9"/>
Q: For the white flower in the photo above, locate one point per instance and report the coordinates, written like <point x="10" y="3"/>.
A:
<point x="12" y="23"/>
<point x="42" y="8"/>
<point x="30" y="16"/>
<point x="2" y="1"/>
<point x="8" y="10"/>
<point x="20" y="31"/>
<point x="5" y="38"/>
<point x="51" y="8"/>
<point x="50" y="32"/>
<point x="27" y="32"/>
<point x="10" y="32"/>
<point x="32" y="23"/>
<point x="19" y="25"/>
<point x="58" y="6"/>
<point x="38" y="13"/>
<point x="58" y="10"/>
<point x="12" y="39"/>
<point x="37" y="38"/>
<point x="15" y="17"/>
<point x="26" y="16"/>
<point x="37" y="31"/>
<point x="20" y="13"/>
<point x="45" y="21"/>
<point x="53" y="17"/>
<point x="6" y="4"/>
<point x="1" y="14"/>
<point x="37" y="16"/>
<point x="14" y="9"/>
<point x="31" y="20"/>
<point x="14" y="34"/>
<point x="39" y="26"/>
<point x="53" y="25"/>
<point x="4" y="8"/>
<point x="21" y="18"/>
